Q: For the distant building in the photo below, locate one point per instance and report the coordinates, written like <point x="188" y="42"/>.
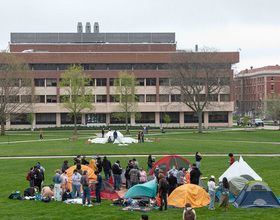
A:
<point x="253" y="86"/>
<point x="102" y="56"/>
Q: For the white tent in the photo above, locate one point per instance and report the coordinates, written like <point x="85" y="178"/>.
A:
<point x="239" y="168"/>
<point x="120" y="139"/>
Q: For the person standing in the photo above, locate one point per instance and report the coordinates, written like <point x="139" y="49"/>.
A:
<point x="189" y="213"/>
<point x="162" y="190"/>
<point x="99" y="164"/>
<point x="139" y="137"/>
<point x="198" y="158"/>
<point x="57" y="180"/>
<point x="106" y="165"/>
<point x="127" y="176"/>
<point x="84" y="181"/>
<point x="65" y="165"/>
<point x="38" y="177"/>
<point x="84" y="161"/>
<point x="232" y="159"/>
<point x="92" y="163"/>
<point x="180" y="177"/>
<point x="135" y="163"/>
<point x="76" y="185"/>
<point x="150" y="162"/>
<point x="187" y="176"/>
<point x="211" y="191"/>
<point x="224" y="187"/>
<point x="64" y="181"/>
<point x="172" y="180"/>
<point x="143" y="176"/>
<point x="134" y="176"/>
<point x="31" y="176"/>
<point x="98" y="185"/>
<point x="102" y="132"/>
<point x="115" y="135"/>
<point x="195" y="175"/>
<point x="41" y="135"/>
<point x="142" y="136"/>
<point x="174" y="171"/>
<point x="117" y="171"/>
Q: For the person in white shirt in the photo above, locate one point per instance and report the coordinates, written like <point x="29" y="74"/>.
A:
<point x="211" y="191"/>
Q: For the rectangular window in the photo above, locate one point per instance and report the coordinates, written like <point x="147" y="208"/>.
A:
<point x="14" y="99"/>
<point x="191" y="117"/>
<point x="96" y="118"/>
<point x="150" y="98"/>
<point x="51" y="99"/>
<point x="174" y="116"/>
<point x="163" y="98"/>
<point x="63" y="98"/>
<point x="225" y="81"/>
<point x="141" y="98"/>
<point x="13" y="82"/>
<point x="39" y="99"/>
<point x="224" y="97"/>
<point x="39" y="82"/>
<point x="272" y="88"/>
<point x="218" y="117"/>
<point x="118" y="121"/>
<point x="175" y="98"/>
<point x="272" y="78"/>
<point x="45" y="118"/>
<point x="19" y="119"/>
<point x="141" y="81"/>
<point x="25" y="82"/>
<point x="120" y="66"/>
<point x="26" y="99"/>
<point x="45" y="66"/>
<point x="101" y="82"/>
<point x="101" y="98"/>
<point x="112" y="81"/>
<point x="51" y="82"/>
<point x="150" y="81"/>
<point x="113" y="98"/>
<point x="65" y="119"/>
<point x="213" y="98"/>
<point x="146" y="117"/>
<point x="163" y="81"/>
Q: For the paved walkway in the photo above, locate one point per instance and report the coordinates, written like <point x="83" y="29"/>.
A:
<point x="146" y="155"/>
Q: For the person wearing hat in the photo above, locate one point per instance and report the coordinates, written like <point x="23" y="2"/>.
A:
<point x="117" y="171"/>
<point x="195" y="174"/>
<point x="92" y="163"/>
<point x="57" y="180"/>
<point x="211" y="191"/>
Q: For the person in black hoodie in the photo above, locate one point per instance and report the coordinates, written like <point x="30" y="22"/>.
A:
<point x="195" y="175"/>
<point x="99" y="164"/>
<point x="39" y="177"/>
<point x="66" y="195"/>
<point x="117" y="171"/>
<point x="84" y="161"/>
<point x="127" y="176"/>
<point x="106" y="165"/>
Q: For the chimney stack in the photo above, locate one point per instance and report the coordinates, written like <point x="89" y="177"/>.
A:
<point x="88" y="27"/>
<point x="96" y="27"/>
<point x="80" y="27"/>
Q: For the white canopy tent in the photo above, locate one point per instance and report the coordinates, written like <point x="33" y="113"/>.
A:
<point x="239" y="168"/>
<point x="120" y="139"/>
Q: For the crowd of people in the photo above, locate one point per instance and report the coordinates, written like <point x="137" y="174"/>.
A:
<point x="134" y="174"/>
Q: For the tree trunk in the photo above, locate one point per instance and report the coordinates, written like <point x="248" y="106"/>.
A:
<point x="199" y="122"/>
<point x="2" y="128"/>
<point x="126" y="123"/>
<point x="75" y="125"/>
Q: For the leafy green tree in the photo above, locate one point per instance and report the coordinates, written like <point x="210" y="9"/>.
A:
<point x="30" y="119"/>
<point x="167" y="119"/>
<point x="76" y="95"/>
<point x="125" y="93"/>
<point x="273" y="107"/>
<point x="16" y="88"/>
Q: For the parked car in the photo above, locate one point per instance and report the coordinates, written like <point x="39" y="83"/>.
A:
<point x="256" y="122"/>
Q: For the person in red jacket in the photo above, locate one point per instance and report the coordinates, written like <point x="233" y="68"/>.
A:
<point x="232" y="160"/>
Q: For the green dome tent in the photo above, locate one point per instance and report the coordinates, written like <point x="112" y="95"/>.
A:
<point x="148" y="189"/>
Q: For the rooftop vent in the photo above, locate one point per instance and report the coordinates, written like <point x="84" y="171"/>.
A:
<point x="80" y="27"/>
<point x="96" y="27"/>
<point x="88" y="27"/>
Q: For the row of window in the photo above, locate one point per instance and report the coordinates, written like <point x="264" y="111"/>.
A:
<point x="146" y="117"/>
<point x="113" y="98"/>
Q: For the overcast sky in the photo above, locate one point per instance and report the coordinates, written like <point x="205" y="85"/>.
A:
<point x="228" y="25"/>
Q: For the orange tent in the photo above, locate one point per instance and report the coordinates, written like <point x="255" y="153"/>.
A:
<point x="188" y="193"/>
<point x="70" y="171"/>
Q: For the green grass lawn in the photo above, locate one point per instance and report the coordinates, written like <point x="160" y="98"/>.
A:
<point x="13" y="171"/>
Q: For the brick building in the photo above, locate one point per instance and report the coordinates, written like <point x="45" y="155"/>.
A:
<point x="102" y="56"/>
<point x="253" y="86"/>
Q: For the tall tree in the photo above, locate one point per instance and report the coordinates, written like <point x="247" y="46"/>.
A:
<point x="76" y="95"/>
<point x="125" y="94"/>
<point x="199" y="77"/>
<point x="273" y="107"/>
<point x="16" y="88"/>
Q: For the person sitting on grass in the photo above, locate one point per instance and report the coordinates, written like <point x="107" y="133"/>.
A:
<point x="30" y="191"/>
<point x="66" y="195"/>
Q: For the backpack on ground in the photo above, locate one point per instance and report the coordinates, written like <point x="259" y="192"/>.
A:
<point x="28" y="177"/>
<point x="14" y="195"/>
<point x="164" y="186"/>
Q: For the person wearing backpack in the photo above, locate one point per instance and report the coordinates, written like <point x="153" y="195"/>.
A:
<point x="57" y="180"/>
<point x="38" y="177"/>
<point x="163" y="188"/>
<point x="189" y="213"/>
<point x="30" y="176"/>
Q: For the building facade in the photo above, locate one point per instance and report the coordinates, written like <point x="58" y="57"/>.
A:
<point x="253" y="86"/>
<point x="103" y="56"/>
